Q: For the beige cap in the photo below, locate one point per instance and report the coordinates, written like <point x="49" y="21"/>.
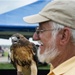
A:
<point x="61" y="11"/>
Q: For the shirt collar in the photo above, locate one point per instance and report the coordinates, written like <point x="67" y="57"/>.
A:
<point x="64" y="66"/>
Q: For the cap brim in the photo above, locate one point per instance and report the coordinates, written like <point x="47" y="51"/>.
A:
<point x="35" y="19"/>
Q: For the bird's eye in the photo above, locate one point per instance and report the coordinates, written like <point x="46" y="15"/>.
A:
<point x="18" y="37"/>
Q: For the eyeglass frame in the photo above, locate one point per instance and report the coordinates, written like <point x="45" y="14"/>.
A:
<point x="41" y="31"/>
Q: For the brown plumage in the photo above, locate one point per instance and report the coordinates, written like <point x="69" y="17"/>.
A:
<point x="23" y="54"/>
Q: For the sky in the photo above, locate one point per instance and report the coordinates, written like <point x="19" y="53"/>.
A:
<point x="8" y="5"/>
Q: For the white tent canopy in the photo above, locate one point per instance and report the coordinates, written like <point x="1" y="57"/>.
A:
<point x="13" y="11"/>
<point x="5" y="41"/>
<point x="8" y="41"/>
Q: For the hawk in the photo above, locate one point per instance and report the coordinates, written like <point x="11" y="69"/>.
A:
<point x="23" y="55"/>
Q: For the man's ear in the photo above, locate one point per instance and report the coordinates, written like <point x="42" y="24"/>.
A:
<point x="65" y="36"/>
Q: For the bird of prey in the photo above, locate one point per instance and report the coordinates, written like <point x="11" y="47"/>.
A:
<point x="23" y="55"/>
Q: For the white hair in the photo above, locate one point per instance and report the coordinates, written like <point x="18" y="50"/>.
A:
<point x="73" y="35"/>
<point x="58" y="26"/>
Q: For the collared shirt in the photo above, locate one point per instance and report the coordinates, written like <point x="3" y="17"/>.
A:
<point x="66" y="68"/>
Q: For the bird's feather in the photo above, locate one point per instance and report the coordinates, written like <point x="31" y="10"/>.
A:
<point x="23" y="54"/>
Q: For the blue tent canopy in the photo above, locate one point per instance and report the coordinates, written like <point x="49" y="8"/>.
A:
<point x="14" y="19"/>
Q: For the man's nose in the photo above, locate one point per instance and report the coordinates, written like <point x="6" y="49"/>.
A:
<point x="35" y="36"/>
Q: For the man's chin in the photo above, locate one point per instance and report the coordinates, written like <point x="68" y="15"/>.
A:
<point x="40" y="55"/>
<point x="47" y="56"/>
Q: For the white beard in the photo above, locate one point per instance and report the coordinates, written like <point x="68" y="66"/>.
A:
<point x="50" y="52"/>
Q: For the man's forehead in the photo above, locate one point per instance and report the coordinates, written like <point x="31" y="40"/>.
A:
<point x="46" y="24"/>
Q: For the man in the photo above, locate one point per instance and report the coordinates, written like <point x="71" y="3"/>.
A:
<point x="56" y="34"/>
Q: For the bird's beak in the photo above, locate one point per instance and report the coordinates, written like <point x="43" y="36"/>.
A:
<point x="14" y="40"/>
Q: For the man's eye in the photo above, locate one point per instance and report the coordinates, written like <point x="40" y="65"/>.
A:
<point x="41" y="31"/>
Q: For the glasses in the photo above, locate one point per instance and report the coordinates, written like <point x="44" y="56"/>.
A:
<point x="41" y="31"/>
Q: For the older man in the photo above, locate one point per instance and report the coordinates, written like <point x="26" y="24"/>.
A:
<point x="56" y="34"/>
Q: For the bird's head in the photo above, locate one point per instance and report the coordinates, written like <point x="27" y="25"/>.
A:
<point x="18" y="38"/>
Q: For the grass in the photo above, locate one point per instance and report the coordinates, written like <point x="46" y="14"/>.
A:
<point x="47" y="67"/>
<point x="6" y="66"/>
<point x="10" y="66"/>
<point x="5" y="54"/>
